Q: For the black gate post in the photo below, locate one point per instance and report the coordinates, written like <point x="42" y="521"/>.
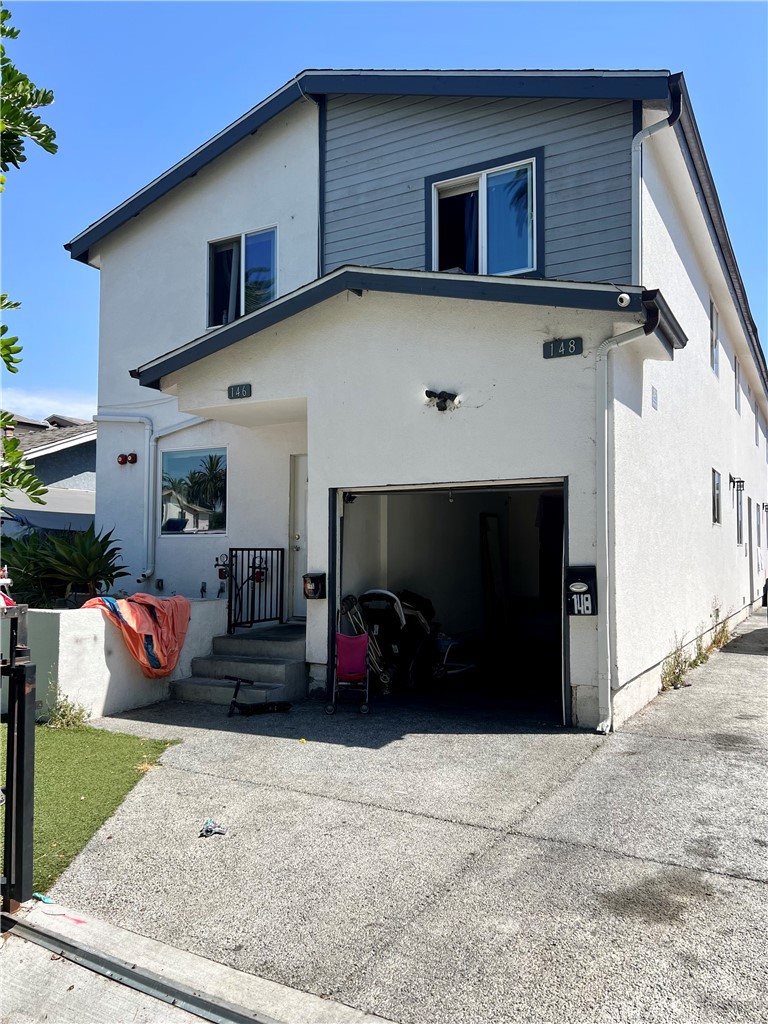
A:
<point x="19" y="676"/>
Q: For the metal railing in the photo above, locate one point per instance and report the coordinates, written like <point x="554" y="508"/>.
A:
<point x="19" y="676"/>
<point x="255" y="586"/>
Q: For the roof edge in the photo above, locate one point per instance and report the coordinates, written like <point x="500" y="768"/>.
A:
<point x="568" y="294"/>
<point x="548" y="85"/>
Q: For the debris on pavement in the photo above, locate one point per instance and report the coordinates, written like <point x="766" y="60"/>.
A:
<point x="211" y="828"/>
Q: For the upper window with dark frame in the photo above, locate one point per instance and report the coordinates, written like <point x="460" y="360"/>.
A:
<point x="242" y="275"/>
<point x="485" y="222"/>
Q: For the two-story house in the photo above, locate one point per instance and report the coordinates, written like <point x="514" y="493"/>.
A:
<point x="477" y="334"/>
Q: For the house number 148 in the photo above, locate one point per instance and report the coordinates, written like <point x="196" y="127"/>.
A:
<point x="582" y="604"/>
<point x="563" y="347"/>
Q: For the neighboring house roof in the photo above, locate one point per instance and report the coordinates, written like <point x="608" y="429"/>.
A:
<point x="57" y="420"/>
<point x="58" y="500"/>
<point x="35" y="443"/>
<point x="586" y="83"/>
<point x="25" y="423"/>
<point x="573" y="295"/>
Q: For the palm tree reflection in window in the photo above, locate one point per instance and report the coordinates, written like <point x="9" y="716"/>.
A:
<point x="510" y="221"/>
<point x="201" y="495"/>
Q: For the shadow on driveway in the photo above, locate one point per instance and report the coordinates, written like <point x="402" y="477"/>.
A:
<point x="390" y="721"/>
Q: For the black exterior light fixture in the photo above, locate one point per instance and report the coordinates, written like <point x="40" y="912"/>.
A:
<point x="736" y="481"/>
<point x="441" y="399"/>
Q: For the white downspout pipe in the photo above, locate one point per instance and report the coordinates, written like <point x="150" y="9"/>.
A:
<point x="151" y="437"/>
<point x="675" y="89"/>
<point x="604" y="494"/>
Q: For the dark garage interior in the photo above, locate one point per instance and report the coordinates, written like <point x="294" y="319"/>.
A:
<point x="484" y="565"/>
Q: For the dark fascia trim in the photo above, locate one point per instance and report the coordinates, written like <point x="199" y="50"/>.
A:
<point x="535" y="85"/>
<point x="322" y="103"/>
<point x="536" y="154"/>
<point x="360" y="279"/>
<point x="689" y="139"/>
<point x="313" y="84"/>
<point x="660" y="320"/>
<point x="247" y="125"/>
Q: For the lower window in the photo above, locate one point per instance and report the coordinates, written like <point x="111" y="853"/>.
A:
<point x="194" y="491"/>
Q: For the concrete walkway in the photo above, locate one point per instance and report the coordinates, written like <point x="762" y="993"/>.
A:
<point x="434" y="865"/>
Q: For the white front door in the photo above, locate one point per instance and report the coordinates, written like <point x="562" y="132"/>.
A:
<point x="297" y="562"/>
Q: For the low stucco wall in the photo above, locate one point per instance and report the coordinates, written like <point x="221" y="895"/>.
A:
<point x="80" y="653"/>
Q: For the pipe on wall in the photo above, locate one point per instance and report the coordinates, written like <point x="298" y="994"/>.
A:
<point x="676" y="97"/>
<point x="605" y="567"/>
<point x="151" y="437"/>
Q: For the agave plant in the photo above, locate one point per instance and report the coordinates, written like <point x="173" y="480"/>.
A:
<point x="46" y="568"/>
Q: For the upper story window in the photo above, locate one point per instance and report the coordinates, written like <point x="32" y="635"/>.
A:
<point x="242" y="275"/>
<point x="714" y="338"/>
<point x="737" y="385"/>
<point x="484" y="222"/>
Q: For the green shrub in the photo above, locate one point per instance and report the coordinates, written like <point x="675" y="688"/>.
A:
<point x="47" y="568"/>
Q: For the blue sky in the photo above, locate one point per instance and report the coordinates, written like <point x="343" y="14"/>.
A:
<point x="139" y="85"/>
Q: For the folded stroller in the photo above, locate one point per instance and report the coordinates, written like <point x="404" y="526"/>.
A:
<point x="351" y="675"/>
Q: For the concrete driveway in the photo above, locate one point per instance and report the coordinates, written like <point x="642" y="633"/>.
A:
<point x="440" y="865"/>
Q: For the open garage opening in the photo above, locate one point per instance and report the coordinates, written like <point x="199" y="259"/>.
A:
<point x="483" y="565"/>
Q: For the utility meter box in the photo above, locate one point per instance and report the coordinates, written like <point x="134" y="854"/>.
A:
<point x="581" y="589"/>
<point x="314" y="585"/>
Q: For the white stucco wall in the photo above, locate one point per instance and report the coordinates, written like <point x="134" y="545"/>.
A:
<point x="81" y="654"/>
<point x="154" y="298"/>
<point x="671" y="562"/>
<point x="363" y="365"/>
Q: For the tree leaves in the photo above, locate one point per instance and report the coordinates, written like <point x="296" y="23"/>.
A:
<point x="20" y="97"/>
<point x="16" y="473"/>
<point x="8" y="345"/>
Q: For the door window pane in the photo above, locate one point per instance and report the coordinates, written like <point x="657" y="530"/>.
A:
<point x="510" y="221"/>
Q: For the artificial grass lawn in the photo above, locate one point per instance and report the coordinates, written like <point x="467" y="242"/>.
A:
<point x="81" y="777"/>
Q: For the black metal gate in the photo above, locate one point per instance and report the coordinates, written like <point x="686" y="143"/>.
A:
<point x="255" y="586"/>
<point x="18" y="675"/>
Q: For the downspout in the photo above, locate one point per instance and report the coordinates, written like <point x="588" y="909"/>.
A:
<point x="151" y="437"/>
<point x="604" y="495"/>
<point x="676" y="97"/>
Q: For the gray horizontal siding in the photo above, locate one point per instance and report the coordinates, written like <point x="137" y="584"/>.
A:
<point x="379" y="150"/>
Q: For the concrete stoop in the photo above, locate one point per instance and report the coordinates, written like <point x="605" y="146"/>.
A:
<point x="270" y="657"/>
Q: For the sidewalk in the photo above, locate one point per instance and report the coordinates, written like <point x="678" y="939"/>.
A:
<point x="427" y="867"/>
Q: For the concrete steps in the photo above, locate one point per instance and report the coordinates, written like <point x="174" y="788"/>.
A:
<point x="270" y="657"/>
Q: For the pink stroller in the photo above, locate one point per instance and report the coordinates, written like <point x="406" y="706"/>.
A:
<point x="351" y="675"/>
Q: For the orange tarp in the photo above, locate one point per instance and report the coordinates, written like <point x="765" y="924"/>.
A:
<point x="153" y="628"/>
